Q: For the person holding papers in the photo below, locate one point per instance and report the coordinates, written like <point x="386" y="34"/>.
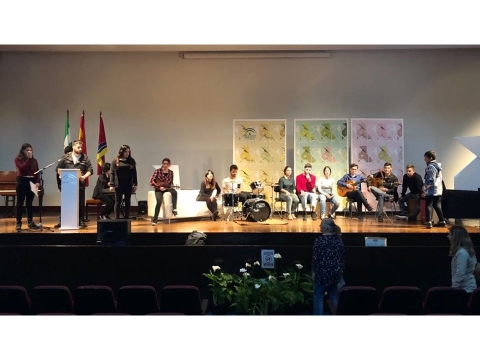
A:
<point x="26" y="166"/>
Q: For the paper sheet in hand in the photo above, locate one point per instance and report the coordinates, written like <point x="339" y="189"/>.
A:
<point x="34" y="189"/>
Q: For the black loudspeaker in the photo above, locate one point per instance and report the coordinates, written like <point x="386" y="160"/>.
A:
<point x="114" y="232"/>
<point x="142" y="207"/>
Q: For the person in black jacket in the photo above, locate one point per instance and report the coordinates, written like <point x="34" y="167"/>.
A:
<point x="103" y="182"/>
<point x="411" y="181"/>
<point x="123" y="179"/>
<point x="209" y="190"/>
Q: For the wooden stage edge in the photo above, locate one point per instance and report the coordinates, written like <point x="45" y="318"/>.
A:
<point x="237" y="232"/>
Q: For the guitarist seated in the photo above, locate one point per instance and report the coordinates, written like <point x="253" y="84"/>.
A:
<point x="162" y="181"/>
<point x="350" y="185"/>
<point x="383" y="185"/>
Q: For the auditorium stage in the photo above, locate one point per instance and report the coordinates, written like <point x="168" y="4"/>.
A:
<point x="236" y="232"/>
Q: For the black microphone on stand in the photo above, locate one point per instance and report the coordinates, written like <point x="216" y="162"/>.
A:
<point x="64" y="157"/>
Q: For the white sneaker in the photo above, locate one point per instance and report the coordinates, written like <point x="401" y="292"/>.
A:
<point x="401" y="217"/>
<point x="290" y="217"/>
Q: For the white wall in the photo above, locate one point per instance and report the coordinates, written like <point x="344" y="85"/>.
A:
<point x="163" y="106"/>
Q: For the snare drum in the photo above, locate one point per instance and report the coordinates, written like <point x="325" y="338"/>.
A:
<point x="257" y="187"/>
<point x="230" y="200"/>
<point x="256" y="210"/>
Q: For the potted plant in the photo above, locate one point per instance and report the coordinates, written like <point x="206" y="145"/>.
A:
<point x="251" y="292"/>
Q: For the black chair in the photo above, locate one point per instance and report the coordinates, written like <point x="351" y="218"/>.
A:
<point x="183" y="299"/>
<point x="406" y="300"/>
<point x="445" y="300"/>
<point x="51" y="299"/>
<point x="357" y="300"/>
<point x="137" y="300"/>
<point x="14" y="299"/>
<point x="93" y="299"/>
<point x="474" y="302"/>
<point x="277" y="199"/>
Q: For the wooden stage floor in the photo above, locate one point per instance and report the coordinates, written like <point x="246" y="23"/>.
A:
<point x="276" y="225"/>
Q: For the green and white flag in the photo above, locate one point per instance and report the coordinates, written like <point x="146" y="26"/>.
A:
<point x="67" y="139"/>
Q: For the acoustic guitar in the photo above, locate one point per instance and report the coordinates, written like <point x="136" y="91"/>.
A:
<point x="379" y="182"/>
<point x="165" y="184"/>
<point x="343" y="190"/>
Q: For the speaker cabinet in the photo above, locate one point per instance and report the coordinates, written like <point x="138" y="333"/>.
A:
<point x="142" y="207"/>
<point x="114" y="232"/>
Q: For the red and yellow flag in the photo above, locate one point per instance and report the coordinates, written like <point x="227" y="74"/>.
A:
<point x="102" y="146"/>
<point x="82" y="137"/>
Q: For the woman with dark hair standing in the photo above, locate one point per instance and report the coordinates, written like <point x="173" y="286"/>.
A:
<point x="123" y="179"/>
<point x="463" y="259"/>
<point x="26" y="166"/>
<point x="328" y="262"/>
<point x="209" y="189"/>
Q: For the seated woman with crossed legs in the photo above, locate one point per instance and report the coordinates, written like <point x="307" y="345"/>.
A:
<point x="209" y="189"/>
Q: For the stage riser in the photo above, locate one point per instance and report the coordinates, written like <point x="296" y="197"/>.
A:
<point x="158" y="266"/>
<point x="36" y="238"/>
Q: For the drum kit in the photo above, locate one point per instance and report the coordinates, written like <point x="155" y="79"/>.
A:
<point x="255" y="208"/>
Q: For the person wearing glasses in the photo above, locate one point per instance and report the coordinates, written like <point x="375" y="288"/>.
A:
<point x="123" y="179"/>
<point x="352" y="184"/>
<point x="162" y="182"/>
<point x="305" y="186"/>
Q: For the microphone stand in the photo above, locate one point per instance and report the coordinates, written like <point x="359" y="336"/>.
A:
<point x="41" y="192"/>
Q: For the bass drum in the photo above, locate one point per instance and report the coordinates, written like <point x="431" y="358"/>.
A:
<point x="256" y="210"/>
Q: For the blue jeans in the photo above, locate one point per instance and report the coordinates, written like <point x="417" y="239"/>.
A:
<point x="403" y="202"/>
<point x="323" y="204"/>
<point x="319" y="292"/>
<point x="380" y="196"/>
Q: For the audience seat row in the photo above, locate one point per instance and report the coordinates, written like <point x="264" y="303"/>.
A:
<point x="407" y="300"/>
<point x="97" y="299"/>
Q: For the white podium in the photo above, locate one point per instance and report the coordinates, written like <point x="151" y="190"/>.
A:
<point x="69" y="199"/>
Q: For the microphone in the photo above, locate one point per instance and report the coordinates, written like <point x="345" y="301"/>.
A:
<point x="64" y="156"/>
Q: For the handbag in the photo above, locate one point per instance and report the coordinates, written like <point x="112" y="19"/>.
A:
<point x="196" y="238"/>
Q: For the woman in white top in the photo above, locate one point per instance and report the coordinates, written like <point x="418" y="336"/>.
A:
<point x="463" y="259"/>
<point x="325" y="186"/>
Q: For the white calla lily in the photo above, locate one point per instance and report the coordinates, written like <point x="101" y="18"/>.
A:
<point x="243" y="270"/>
<point x="247" y="265"/>
<point x="286" y="274"/>
<point x="257" y="286"/>
<point x="256" y="263"/>
<point x="300" y="266"/>
<point x="215" y="268"/>
<point x="277" y="256"/>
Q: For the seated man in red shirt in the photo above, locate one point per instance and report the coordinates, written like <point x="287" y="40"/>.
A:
<point x="305" y="187"/>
